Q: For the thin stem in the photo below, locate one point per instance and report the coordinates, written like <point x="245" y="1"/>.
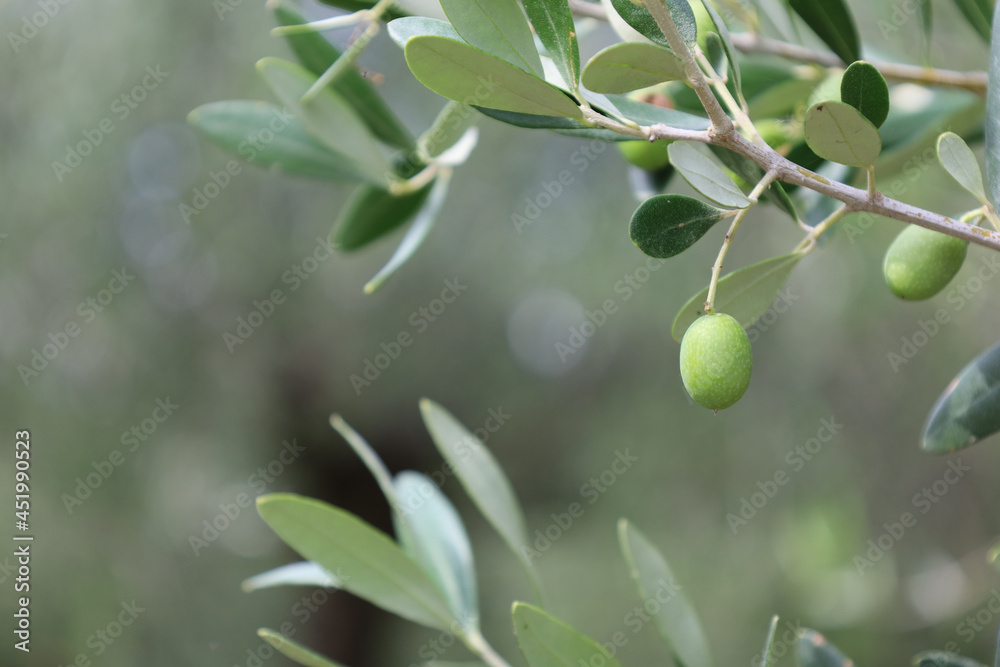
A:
<point x="809" y="242"/>
<point x="719" y="84"/>
<point x="728" y="241"/>
<point x="872" y="192"/>
<point x="348" y="57"/>
<point x="721" y="123"/>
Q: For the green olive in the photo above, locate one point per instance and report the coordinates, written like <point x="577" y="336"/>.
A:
<point x="645" y="155"/>
<point x="921" y="262"/>
<point x="716" y="361"/>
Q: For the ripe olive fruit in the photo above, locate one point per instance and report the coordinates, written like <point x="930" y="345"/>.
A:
<point x="921" y="262"/>
<point x="716" y="361"/>
<point x="644" y="154"/>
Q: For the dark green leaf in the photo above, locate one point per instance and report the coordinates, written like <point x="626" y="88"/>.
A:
<point x="371" y="565"/>
<point x="241" y="126"/>
<point x="628" y="66"/>
<point x="812" y="650"/>
<point x="838" y="132"/>
<point x="714" y="52"/>
<point x="943" y="659"/>
<point x="666" y="225"/>
<point x="436" y="539"/>
<point x="466" y="74"/>
<point x="727" y="46"/>
<point x="294" y="651"/>
<point x="676" y="621"/>
<point x="328" y="117"/>
<point x="832" y="22"/>
<point x="745" y="294"/>
<point x="993" y="121"/>
<point x="642" y="21"/>
<point x="561" y="125"/>
<point x="497" y="27"/>
<point x="865" y="89"/>
<point x="317" y="55"/>
<point x="969" y="409"/>
<point x="403" y="30"/>
<point x="371" y="213"/>
<point x="553" y="23"/>
<point x="978" y="14"/>
<point x="545" y="641"/>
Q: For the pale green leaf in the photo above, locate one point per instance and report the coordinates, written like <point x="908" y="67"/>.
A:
<point x="369" y="564"/>
<point x="676" y="619"/>
<point x="745" y="294"/>
<point x="960" y="162"/>
<point x="628" y="66"/>
<point x="305" y="573"/>
<point x="545" y="641"/>
<point x="465" y="74"/>
<point x="838" y="132"/>
<point x="497" y="27"/>
<point x="294" y="651"/>
<point x="403" y="30"/>
<point x="706" y="176"/>
<point x="992" y="124"/>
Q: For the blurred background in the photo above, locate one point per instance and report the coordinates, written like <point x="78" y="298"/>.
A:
<point x="162" y="293"/>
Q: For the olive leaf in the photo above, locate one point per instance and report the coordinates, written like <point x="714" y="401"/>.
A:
<point x="706" y="176"/>
<point x="545" y="641"/>
<point x="628" y="66"/>
<point x="639" y="18"/>
<point x="666" y="225"/>
<point x="838" y="132"/>
<point x="553" y="23"/>
<point x="832" y="22"/>
<point x="813" y="650"/>
<point x="960" y="162"/>
<point x="295" y="651"/>
<point x="969" y="409"/>
<point x="865" y="89"/>
<point x="498" y="27"/>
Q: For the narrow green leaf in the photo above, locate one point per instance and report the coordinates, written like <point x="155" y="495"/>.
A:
<point x="865" y="89"/>
<point x="293" y="650"/>
<point x="650" y="114"/>
<point x="465" y="74"/>
<point x="497" y="27"/>
<point x="628" y="66"/>
<point x="545" y="641"/>
<point x="977" y="13"/>
<point x="642" y="21"/>
<point x="317" y="55"/>
<point x="370" y="564"/>
<point x="553" y="23"/>
<point x="969" y="409"/>
<point x="372" y="212"/>
<point x="727" y="47"/>
<point x="328" y="117"/>
<point x="368" y="456"/>
<point x="565" y="126"/>
<point x="449" y="126"/>
<point x="927" y="24"/>
<point x="838" y="132"/>
<point x="769" y="642"/>
<point x="241" y="127"/>
<point x="305" y="573"/>
<point x="943" y="659"/>
<point x="480" y="475"/>
<point x="676" y="621"/>
<point x="415" y="236"/>
<point x="960" y="162"/>
<point x="437" y="540"/>
<point x="705" y="176"/>
<point x="992" y="123"/>
<point x="813" y="650"/>
<point x="832" y="22"/>
<point x="715" y="52"/>
<point x="403" y="30"/>
<point x="666" y="225"/>
<point x="745" y="294"/>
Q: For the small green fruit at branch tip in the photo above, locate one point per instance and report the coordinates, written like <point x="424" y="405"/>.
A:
<point x="716" y="361"/>
<point x="644" y="154"/>
<point x="921" y="262"/>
